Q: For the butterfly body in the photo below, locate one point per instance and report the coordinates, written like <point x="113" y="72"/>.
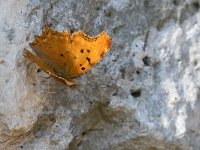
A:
<point x="65" y="57"/>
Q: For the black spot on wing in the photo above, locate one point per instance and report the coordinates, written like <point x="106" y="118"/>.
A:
<point x="88" y="59"/>
<point x="61" y="55"/>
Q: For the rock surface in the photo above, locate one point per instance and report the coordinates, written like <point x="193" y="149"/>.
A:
<point x="145" y="94"/>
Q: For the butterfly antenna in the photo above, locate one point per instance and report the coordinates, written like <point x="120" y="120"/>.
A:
<point x="81" y="92"/>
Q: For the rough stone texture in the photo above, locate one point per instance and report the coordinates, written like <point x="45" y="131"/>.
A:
<point x="145" y="94"/>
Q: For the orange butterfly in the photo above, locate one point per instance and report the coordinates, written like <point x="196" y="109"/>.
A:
<point x="68" y="56"/>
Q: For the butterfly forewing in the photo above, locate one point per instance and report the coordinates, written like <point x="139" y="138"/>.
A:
<point x="87" y="51"/>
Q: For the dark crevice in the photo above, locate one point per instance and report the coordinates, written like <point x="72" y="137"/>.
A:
<point x="196" y="5"/>
<point x="38" y="70"/>
<point x="136" y="93"/>
<point x="147" y="61"/>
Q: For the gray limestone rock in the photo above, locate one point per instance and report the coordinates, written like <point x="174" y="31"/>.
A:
<point x="143" y="95"/>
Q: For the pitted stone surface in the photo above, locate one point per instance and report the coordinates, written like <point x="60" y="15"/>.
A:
<point x="144" y="95"/>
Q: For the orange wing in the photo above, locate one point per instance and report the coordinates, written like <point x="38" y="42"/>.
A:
<point x="86" y="51"/>
<point x="54" y="48"/>
<point x="46" y="68"/>
<point x="69" y="56"/>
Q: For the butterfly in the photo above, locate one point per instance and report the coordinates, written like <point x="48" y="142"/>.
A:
<point x="64" y="56"/>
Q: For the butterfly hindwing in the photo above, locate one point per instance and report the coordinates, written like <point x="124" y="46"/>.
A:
<point x="53" y="47"/>
<point x="46" y="68"/>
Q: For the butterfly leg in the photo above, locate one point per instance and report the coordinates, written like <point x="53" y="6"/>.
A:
<point x="45" y="67"/>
